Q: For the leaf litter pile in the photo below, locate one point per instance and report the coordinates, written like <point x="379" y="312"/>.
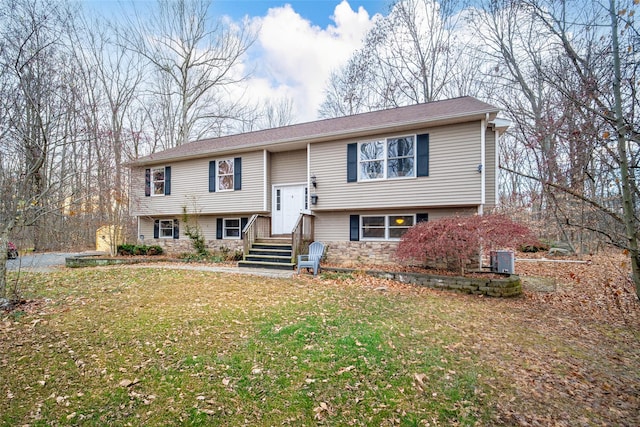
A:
<point x="159" y="346"/>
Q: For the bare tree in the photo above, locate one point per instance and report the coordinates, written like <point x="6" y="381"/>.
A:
<point x="569" y="78"/>
<point x="36" y="96"/>
<point x="194" y="62"/>
<point x="415" y="54"/>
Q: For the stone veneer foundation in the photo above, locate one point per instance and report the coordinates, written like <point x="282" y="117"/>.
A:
<point x="177" y="246"/>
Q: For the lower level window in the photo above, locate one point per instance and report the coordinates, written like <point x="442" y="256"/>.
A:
<point x="385" y="227"/>
<point x="166" y="229"/>
<point x="231" y="227"/>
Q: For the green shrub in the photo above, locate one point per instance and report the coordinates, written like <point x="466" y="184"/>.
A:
<point x="125" y="249"/>
<point x="129" y="249"/>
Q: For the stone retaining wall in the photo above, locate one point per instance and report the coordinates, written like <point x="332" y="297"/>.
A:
<point x="509" y="286"/>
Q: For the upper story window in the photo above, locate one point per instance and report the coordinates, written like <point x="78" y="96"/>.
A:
<point x="157" y="176"/>
<point x="157" y="181"/>
<point x="387" y="159"/>
<point x="225" y="175"/>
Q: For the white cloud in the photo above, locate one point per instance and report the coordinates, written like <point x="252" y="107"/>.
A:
<point x="293" y="58"/>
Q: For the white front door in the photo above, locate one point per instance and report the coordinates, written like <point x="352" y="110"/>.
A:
<point x="288" y="202"/>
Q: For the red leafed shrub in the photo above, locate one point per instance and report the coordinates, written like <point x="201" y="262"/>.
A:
<point x="454" y="240"/>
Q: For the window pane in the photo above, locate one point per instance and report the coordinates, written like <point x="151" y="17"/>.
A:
<point x="232" y="223"/>
<point x="373" y="233"/>
<point x="233" y="232"/>
<point x="373" y="227"/>
<point x="371" y="150"/>
<point x="373" y="221"/>
<point x="158" y="187"/>
<point x="372" y="170"/>
<point x="225" y="182"/>
<point x="400" y="167"/>
<point x="401" y="221"/>
<point x="399" y="224"/>
<point x="401" y="147"/>
<point x="400" y="157"/>
<point x="396" y="233"/>
<point x="166" y="228"/>
<point x="158" y="174"/>
<point x="225" y="167"/>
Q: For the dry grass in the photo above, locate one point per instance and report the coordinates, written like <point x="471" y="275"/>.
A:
<point x="160" y="346"/>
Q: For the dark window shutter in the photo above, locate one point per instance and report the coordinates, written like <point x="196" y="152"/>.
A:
<point x="423" y="155"/>
<point x="352" y="162"/>
<point x="237" y="173"/>
<point x="156" y="229"/>
<point x="167" y="180"/>
<point x="147" y="182"/>
<point x="354" y="228"/>
<point x="212" y="176"/>
<point x="176" y="229"/>
<point x="219" y="228"/>
<point x="243" y="224"/>
<point x="422" y="217"/>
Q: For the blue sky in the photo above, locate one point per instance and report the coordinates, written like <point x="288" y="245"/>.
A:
<point x="318" y="12"/>
<point x="298" y="44"/>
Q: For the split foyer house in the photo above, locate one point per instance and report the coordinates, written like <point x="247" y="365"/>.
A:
<point x="356" y="183"/>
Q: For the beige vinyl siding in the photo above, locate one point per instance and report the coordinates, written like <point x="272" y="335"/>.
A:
<point x="453" y="179"/>
<point x="190" y="188"/>
<point x="490" y="169"/>
<point x="289" y="167"/>
<point x="334" y="226"/>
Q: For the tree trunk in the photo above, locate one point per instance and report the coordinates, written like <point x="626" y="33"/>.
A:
<point x="621" y="134"/>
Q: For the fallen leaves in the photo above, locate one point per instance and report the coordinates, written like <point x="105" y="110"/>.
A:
<point x="128" y="383"/>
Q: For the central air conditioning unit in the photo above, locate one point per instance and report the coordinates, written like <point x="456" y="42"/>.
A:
<point x="502" y="262"/>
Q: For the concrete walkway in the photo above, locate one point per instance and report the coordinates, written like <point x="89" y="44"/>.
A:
<point x="276" y="274"/>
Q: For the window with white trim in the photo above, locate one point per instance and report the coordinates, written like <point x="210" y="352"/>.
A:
<point x="165" y="228"/>
<point x="224" y="173"/>
<point x="231" y="228"/>
<point x="157" y="181"/>
<point x="385" y="227"/>
<point x="387" y="159"/>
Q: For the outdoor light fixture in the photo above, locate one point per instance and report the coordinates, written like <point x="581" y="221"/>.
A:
<point x="314" y="199"/>
<point x="141" y="237"/>
<point x="314" y="182"/>
<point x="480" y="168"/>
<point x="399" y="221"/>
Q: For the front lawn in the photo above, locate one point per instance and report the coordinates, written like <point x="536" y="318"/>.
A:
<point x="155" y="346"/>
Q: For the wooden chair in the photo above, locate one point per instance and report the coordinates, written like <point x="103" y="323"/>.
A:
<point x="312" y="260"/>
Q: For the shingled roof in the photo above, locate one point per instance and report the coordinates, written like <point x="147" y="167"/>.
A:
<point x="450" y="110"/>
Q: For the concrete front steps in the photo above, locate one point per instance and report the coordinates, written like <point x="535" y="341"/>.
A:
<point x="271" y="253"/>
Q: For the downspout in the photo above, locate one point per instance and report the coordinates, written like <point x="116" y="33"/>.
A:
<point x="481" y="169"/>
<point x="308" y="195"/>
<point x="264" y="181"/>
<point x="483" y="163"/>
<point x="496" y="150"/>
